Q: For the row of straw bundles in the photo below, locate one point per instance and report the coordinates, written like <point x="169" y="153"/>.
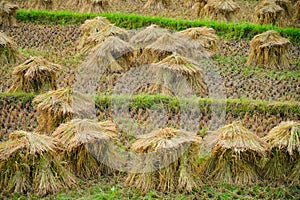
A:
<point x="236" y="157"/>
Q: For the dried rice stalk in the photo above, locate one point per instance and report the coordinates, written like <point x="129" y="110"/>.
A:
<point x="295" y="176"/>
<point x="29" y="163"/>
<point x="82" y="138"/>
<point x="172" y="66"/>
<point x="157" y="4"/>
<point x="270" y="50"/>
<point x="285" y="137"/>
<point x="59" y="106"/>
<point x="198" y="7"/>
<point x="97" y="38"/>
<point x="180" y="149"/>
<point x="108" y="61"/>
<point x="284" y="143"/>
<point x="148" y="36"/>
<point x="296" y="17"/>
<point x="9" y="53"/>
<point x="7" y="14"/>
<point x="268" y="12"/>
<point x="205" y="36"/>
<point x="90" y="27"/>
<point x="286" y="5"/>
<point x="35" y="74"/>
<point x="168" y="44"/>
<point x="220" y="9"/>
<point x="42" y="4"/>
<point x="235" y="157"/>
<point x="94" y="6"/>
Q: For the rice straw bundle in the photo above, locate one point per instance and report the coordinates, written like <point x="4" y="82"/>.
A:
<point x="284" y="143"/>
<point x="179" y="149"/>
<point x="270" y="50"/>
<point x="157" y="4"/>
<point x="268" y="12"/>
<point x="166" y="74"/>
<point x="168" y="44"/>
<point x="220" y="9"/>
<point x="198" y="7"/>
<point x="296" y="17"/>
<point x="97" y="38"/>
<point x="59" y="106"/>
<point x="29" y="162"/>
<point x="90" y="27"/>
<point x="42" y="4"/>
<point x="147" y="36"/>
<point x="205" y="36"/>
<point x="7" y="14"/>
<point x="82" y="138"/>
<point x="235" y="157"/>
<point x="34" y="75"/>
<point x="9" y="53"/>
<point x="108" y="61"/>
<point x="94" y="6"/>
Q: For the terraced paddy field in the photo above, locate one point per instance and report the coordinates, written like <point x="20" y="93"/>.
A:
<point x="144" y="100"/>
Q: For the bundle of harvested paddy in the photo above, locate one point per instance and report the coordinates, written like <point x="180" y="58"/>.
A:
<point x="41" y="4"/>
<point x="89" y="6"/>
<point x="220" y="9"/>
<point x="34" y="75"/>
<point x="7" y="14"/>
<point x="148" y="36"/>
<point x="205" y="36"/>
<point x="169" y="68"/>
<point x="235" y="157"/>
<point x="168" y="44"/>
<point x="268" y="12"/>
<point x="29" y="162"/>
<point x="286" y="5"/>
<point x="90" y="27"/>
<point x="157" y="4"/>
<point x="296" y="17"/>
<point x="284" y="144"/>
<point x="59" y="106"/>
<point x="269" y="49"/>
<point x="82" y="138"/>
<point x="171" y="161"/>
<point x="9" y="53"/>
<point x="97" y="38"/>
<point x="198" y="7"/>
<point x="108" y="61"/>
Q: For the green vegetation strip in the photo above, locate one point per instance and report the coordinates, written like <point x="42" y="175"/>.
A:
<point x="144" y="101"/>
<point x="133" y="21"/>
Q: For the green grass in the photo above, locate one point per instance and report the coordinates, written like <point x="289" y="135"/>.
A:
<point x="143" y="101"/>
<point x="134" y="21"/>
<point x="113" y="188"/>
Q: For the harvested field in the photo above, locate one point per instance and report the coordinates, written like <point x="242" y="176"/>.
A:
<point x="123" y="106"/>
